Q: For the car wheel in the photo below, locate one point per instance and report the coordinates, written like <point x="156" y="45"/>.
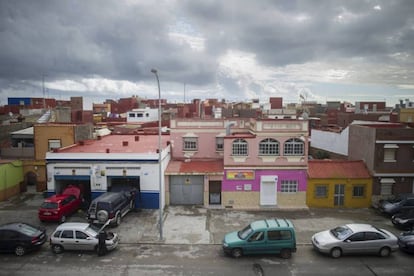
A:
<point x="237" y="253"/>
<point x="118" y="220"/>
<point x="286" y="253"/>
<point x="384" y="252"/>
<point x="20" y="250"/>
<point x="336" y="252"/>
<point x="62" y="219"/>
<point x="57" y="249"/>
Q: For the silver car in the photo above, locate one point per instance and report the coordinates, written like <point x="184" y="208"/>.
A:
<point x="80" y="236"/>
<point x="355" y="239"/>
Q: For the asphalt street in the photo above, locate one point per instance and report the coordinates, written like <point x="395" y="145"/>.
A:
<point x="198" y="225"/>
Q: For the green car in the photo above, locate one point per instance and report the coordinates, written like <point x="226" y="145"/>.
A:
<point x="269" y="236"/>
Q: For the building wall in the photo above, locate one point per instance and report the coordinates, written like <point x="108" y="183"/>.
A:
<point x="406" y="115"/>
<point x="349" y="200"/>
<point x="246" y="193"/>
<point x="11" y="179"/>
<point x="330" y="141"/>
<point x="362" y="145"/>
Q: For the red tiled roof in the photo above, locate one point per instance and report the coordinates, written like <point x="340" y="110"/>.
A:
<point x="195" y="167"/>
<point x="337" y="169"/>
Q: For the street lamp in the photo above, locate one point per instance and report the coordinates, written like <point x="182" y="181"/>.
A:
<point x="154" y="71"/>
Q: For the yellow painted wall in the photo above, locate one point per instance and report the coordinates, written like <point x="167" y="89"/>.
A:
<point x="349" y="202"/>
<point x="251" y="200"/>
<point x="44" y="133"/>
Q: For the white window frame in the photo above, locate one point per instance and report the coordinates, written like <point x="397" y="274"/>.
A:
<point x="390" y="151"/>
<point x="269" y="147"/>
<point x="239" y="147"/>
<point x="289" y="186"/>
<point x="190" y="143"/>
<point x="294" y="147"/>
<point x="54" y="144"/>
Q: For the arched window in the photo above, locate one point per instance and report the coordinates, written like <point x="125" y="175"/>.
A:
<point x="294" y="146"/>
<point x="239" y="147"/>
<point x="269" y="146"/>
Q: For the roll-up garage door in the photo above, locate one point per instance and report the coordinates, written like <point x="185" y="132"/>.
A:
<point x="186" y="190"/>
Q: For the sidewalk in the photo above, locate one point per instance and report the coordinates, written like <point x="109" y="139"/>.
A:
<point x="197" y="225"/>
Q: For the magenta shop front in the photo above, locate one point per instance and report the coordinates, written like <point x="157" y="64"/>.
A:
<point x="254" y="189"/>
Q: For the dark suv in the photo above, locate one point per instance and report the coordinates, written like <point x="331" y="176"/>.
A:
<point x="111" y="206"/>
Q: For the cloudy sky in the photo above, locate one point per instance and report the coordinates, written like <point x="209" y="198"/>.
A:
<point x="322" y="50"/>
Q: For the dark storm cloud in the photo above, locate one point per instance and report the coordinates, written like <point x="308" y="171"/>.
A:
<point x="79" y="39"/>
<point x="288" y="32"/>
<point x="123" y="39"/>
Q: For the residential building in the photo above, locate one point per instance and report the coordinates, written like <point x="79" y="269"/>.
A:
<point x="338" y="183"/>
<point x="264" y="162"/>
<point x="388" y="152"/>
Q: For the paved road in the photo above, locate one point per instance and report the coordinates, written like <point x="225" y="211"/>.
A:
<point x="194" y="225"/>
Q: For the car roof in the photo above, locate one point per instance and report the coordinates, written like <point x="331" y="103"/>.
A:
<point x="72" y="226"/>
<point x="271" y="223"/>
<point x="360" y="227"/>
<point x="108" y="196"/>
<point x="15" y="225"/>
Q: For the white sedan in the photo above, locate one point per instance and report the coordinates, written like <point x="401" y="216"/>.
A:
<point x="80" y="236"/>
<point x="355" y="239"/>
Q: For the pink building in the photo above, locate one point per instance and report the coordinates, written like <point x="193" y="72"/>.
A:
<point x="264" y="163"/>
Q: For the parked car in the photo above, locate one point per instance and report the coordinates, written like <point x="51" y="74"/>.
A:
<point x="59" y="206"/>
<point x="406" y="241"/>
<point x="20" y="237"/>
<point x="80" y="236"/>
<point x="401" y="202"/>
<point x="270" y="236"/>
<point x="355" y="239"/>
<point x="404" y="220"/>
<point x="111" y="206"/>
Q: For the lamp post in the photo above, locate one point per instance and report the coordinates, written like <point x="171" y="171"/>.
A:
<point x="154" y="71"/>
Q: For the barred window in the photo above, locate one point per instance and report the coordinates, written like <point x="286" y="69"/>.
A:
<point x="358" y="191"/>
<point x="289" y="186"/>
<point x="239" y="147"/>
<point x="321" y="191"/>
<point x="219" y="143"/>
<point x="294" y="146"/>
<point x="269" y="146"/>
<point x="190" y="144"/>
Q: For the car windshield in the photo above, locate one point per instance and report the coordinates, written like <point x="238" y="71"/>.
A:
<point x="92" y="230"/>
<point x="49" y="205"/>
<point x="341" y="232"/>
<point x="243" y="234"/>
<point x="27" y="229"/>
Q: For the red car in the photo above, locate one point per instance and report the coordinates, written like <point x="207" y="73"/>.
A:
<point x="59" y="206"/>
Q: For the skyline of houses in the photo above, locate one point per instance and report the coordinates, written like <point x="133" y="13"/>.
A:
<point x="231" y="155"/>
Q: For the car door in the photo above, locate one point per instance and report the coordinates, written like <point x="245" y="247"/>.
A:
<point x="83" y="241"/>
<point x="354" y="244"/>
<point x="67" y="240"/>
<point x="7" y="240"/>
<point x="279" y="239"/>
<point x="373" y="242"/>
<point x="256" y="243"/>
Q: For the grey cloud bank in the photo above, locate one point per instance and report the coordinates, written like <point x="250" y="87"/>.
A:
<point x="237" y="50"/>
